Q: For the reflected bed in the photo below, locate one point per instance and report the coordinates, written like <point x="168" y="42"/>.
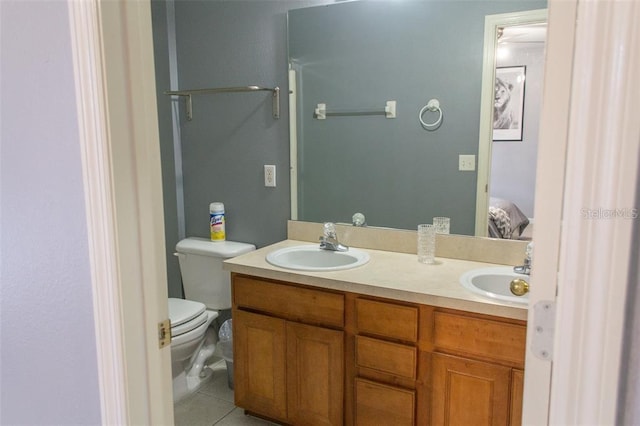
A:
<point x="507" y="221"/>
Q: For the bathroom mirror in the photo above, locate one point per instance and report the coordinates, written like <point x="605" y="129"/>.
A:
<point x="356" y="56"/>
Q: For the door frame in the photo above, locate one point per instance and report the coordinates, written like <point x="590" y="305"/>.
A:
<point x="117" y="117"/>
<point x="550" y="175"/>
<point x="485" y="142"/>
<point x="582" y="262"/>
<point x="601" y="172"/>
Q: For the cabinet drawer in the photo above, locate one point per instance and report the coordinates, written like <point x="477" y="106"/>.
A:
<point x="378" y="404"/>
<point x="482" y="337"/>
<point x="387" y="319"/>
<point x="392" y="358"/>
<point x="290" y="302"/>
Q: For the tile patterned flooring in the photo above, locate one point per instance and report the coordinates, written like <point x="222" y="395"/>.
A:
<point x="213" y="404"/>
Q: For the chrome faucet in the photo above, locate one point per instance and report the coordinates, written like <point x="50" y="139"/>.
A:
<point x="526" y="267"/>
<point x="329" y="239"/>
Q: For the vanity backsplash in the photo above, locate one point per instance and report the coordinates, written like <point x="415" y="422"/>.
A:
<point x="478" y="249"/>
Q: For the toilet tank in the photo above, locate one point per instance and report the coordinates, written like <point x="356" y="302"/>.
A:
<point x="203" y="279"/>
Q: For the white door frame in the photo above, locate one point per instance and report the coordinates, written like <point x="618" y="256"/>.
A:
<point x="588" y="161"/>
<point x="117" y="114"/>
<point x="550" y="172"/>
<point x="603" y="138"/>
<point x="485" y="142"/>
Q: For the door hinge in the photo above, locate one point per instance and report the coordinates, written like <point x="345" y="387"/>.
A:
<point x="164" y="333"/>
<point x="544" y="319"/>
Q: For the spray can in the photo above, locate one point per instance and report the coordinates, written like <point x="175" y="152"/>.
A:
<point x="216" y="222"/>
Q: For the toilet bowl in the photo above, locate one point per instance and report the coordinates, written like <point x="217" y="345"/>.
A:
<point x="207" y="290"/>
<point x="192" y="344"/>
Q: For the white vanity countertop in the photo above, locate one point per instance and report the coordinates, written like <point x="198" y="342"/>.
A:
<point x="390" y="275"/>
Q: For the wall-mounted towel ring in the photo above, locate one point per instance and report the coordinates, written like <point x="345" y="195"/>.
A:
<point x="433" y="105"/>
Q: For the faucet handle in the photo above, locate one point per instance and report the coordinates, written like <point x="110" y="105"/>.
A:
<point x="526" y="268"/>
<point x="529" y="251"/>
<point x="358" y="219"/>
<point x="329" y="230"/>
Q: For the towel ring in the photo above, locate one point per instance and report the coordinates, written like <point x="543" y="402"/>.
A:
<point x="433" y="105"/>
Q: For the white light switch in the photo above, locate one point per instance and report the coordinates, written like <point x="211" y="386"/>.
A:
<point x="467" y="162"/>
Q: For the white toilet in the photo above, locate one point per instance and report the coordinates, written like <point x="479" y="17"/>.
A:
<point x="207" y="289"/>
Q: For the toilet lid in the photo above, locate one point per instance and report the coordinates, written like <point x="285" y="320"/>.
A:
<point x="184" y="311"/>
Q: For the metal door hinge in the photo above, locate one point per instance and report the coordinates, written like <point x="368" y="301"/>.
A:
<point x="164" y="333"/>
<point x="544" y="318"/>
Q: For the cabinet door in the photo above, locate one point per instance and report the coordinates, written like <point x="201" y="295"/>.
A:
<point x="315" y="375"/>
<point x="259" y="358"/>
<point x="517" y="389"/>
<point x="466" y="392"/>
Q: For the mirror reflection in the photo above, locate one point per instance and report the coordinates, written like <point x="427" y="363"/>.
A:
<point x="355" y="57"/>
<point x="519" y="61"/>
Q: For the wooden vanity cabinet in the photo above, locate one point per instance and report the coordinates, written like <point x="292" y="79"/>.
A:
<point x="288" y="351"/>
<point x="308" y="356"/>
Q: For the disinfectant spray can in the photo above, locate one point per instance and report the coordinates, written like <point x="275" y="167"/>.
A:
<point x="216" y="222"/>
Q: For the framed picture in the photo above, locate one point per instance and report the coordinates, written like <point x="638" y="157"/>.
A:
<point x="508" y="106"/>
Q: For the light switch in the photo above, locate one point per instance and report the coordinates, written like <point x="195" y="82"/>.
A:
<point x="467" y="162"/>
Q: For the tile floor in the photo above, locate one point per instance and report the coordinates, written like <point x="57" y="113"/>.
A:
<point x="212" y="404"/>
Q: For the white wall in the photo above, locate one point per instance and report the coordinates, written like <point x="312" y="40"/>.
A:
<point x="513" y="163"/>
<point x="48" y="354"/>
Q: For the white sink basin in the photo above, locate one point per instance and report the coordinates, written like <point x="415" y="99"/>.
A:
<point x="312" y="258"/>
<point x="493" y="283"/>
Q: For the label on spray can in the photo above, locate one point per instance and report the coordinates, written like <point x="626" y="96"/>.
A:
<point x="216" y="222"/>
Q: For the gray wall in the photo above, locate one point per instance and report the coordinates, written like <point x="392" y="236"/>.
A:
<point x="359" y="55"/>
<point x="513" y="163"/>
<point x="48" y="373"/>
<point x="173" y="228"/>
<point x="231" y="137"/>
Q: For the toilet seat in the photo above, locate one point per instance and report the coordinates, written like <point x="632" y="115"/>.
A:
<point x="186" y="315"/>
<point x="191" y="325"/>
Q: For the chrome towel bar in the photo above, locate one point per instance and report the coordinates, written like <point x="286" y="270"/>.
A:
<point x="389" y="111"/>
<point x="275" y="93"/>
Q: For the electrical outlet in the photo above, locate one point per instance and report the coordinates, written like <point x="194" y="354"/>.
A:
<point x="467" y="162"/>
<point x="269" y="175"/>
